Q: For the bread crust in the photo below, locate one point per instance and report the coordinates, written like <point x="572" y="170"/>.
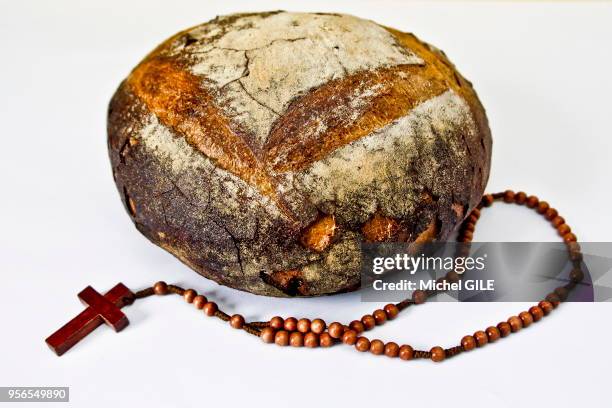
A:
<point x="268" y="178"/>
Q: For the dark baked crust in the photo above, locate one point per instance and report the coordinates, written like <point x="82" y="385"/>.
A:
<point x="245" y="214"/>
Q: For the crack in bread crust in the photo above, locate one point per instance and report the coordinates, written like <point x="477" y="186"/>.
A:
<point x="227" y="152"/>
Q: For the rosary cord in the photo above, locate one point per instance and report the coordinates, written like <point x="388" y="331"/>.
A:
<point x="303" y="332"/>
<point x="210" y="308"/>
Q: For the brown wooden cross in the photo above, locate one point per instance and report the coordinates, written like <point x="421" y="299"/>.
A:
<point x="101" y="309"/>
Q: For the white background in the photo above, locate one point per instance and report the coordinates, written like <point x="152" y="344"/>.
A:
<point x="542" y="71"/>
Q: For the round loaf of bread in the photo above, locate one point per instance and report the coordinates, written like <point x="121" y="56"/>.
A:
<point x="262" y="149"/>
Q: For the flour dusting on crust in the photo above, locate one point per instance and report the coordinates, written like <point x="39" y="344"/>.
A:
<point x="181" y="161"/>
<point x="259" y="64"/>
<point x="372" y="171"/>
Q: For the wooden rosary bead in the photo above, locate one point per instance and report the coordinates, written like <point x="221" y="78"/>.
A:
<point x="476" y="213"/>
<point x="472" y="218"/>
<point x="318" y="326"/>
<point x="546" y="307"/>
<point x="558" y="221"/>
<point x="199" y="301"/>
<point x="281" y="338"/>
<point x="391" y="311"/>
<point x="562" y="292"/>
<point x="296" y="339"/>
<point x="550" y="214"/>
<point x="468" y="343"/>
<point x="526" y="318"/>
<point x="515" y="323"/>
<point x="210" y="308"/>
<point x="237" y="321"/>
<point x="553" y="298"/>
<point x="357" y="326"/>
<point x="452" y="276"/>
<point x="487" y="200"/>
<point x="537" y="313"/>
<point x="392" y="349"/>
<point x="542" y="207"/>
<point x="493" y="333"/>
<point x="303" y="325"/>
<point x="335" y="330"/>
<point x="406" y="352"/>
<point x="460" y="251"/>
<point x="368" y="322"/>
<point x="573" y="246"/>
<point x="575" y="256"/>
<point x="349" y="337"/>
<point x="509" y="196"/>
<point x="311" y="340"/>
<point x="419" y="297"/>
<point x="277" y="322"/>
<point x="464" y="238"/>
<point x="160" y="288"/>
<point x="576" y="275"/>
<point x="532" y="201"/>
<point x="290" y="324"/>
<point x="377" y="347"/>
<point x="380" y="317"/>
<point x="362" y="344"/>
<point x="570" y="237"/>
<point x="520" y="198"/>
<point x="267" y="334"/>
<point x="325" y="340"/>
<point x="504" y="329"/>
<point x="437" y="354"/>
<point x="481" y="338"/>
<point x="189" y="295"/>
<point x="467" y="236"/>
<point x="563" y="229"/>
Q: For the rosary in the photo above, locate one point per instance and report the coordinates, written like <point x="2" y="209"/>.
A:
<point x="306" y="333"/>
